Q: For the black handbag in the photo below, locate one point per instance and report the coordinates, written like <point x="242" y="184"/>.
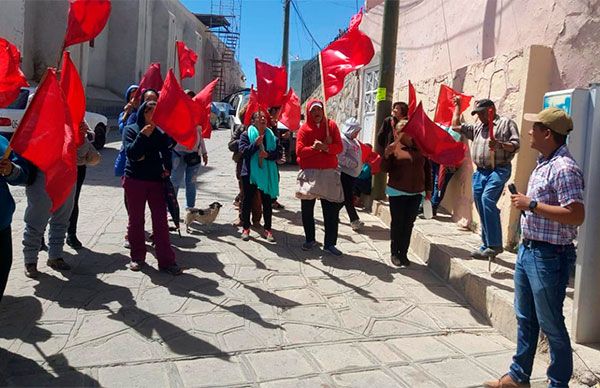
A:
<point x="192" y="159"/>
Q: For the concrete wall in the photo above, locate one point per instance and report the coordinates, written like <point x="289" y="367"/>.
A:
<point x="12" y="20"/>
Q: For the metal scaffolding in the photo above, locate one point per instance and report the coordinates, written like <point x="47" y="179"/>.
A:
<point x="224" y="21"/>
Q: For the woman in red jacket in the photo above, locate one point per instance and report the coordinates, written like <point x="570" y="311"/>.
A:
<point x="317" y="150"/>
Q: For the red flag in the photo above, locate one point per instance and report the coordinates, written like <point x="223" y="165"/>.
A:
<point x="70" y="83"/>
<point x="12" y="78"/>
<point x="445" y="105"/>
<point x="291" y="111"/>
<point x="152" y="79"/>
<point x="187" y="60"/>
<point x="203" y="100"/>
<point x="86" y="20"/>
<point x="491" y="117"/>
<point x="412" y="99"/>
<point x="348" y="53"/>
<point x="176" y="113"/>
<point x="435" y="143"/>
<point x="271" y="84"/>
<point x="253" y="106"/>
<point x="45" y="138"/>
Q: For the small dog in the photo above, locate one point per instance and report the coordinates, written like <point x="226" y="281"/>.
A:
<point x="202" y="216"/>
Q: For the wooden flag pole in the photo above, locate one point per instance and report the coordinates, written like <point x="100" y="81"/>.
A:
<point x="328" y="138"/>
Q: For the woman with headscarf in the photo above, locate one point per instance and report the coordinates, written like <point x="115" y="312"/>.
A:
<point x="409" y="179"/>
<point x="317" y="147"/>
<point x="148" y="165"/>
<point x="259" y="148"/>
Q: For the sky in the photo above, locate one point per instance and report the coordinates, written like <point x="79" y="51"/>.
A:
<point x="262" y="28"/>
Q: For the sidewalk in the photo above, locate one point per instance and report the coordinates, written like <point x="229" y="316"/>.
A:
<point x="446" y="249"/>
<point x="244" y="314"/>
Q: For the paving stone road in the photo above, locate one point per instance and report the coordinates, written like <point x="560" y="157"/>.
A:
<point x="244" y="314"/>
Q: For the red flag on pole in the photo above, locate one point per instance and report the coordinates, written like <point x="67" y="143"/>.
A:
<point x="291" y="111"/>
<point x="445" y="105"/>
<point x="152" y="79"/>
<point x="271" y="84"/>
<point x="187" y="60"/>
<point x="435" y="143"/>
<point x="491" y="117"/>
<point x="86" y="20"/>
<point x="348" y="53"/>
<point x="70" y="83"/>
<point x="253" y="106"/>
<point x="412" y="99"/>
<point x="203" y="100"/>
<point x="176" y="113"/>
<point x="12" y="78"/>
<point x="45" y="138"/>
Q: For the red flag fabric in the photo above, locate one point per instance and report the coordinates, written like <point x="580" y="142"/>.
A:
<point x="291" y="111"/>
<point x="435" y="143"/>
<point x="203" y="100"/>
<point x="176" y="113"/>
<point x="412" y="99"/>
<point x="253" y="106"/>
<point x="45" y="138"/>
<point x="271" y="84"/>
<point x="445" y="105"/>
<point x="70" y="83"/>
<point x="187" y="60"/>
<point x="86" y="20"/>
<point x="491" y="117"/>
<point x="152" y="79"/>
<point x="370" y="157"/>
<point x="348" y="53"/>
<point x="12" y="78"/>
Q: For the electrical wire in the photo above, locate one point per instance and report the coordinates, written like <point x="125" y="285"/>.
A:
<point x="304" y="24"/>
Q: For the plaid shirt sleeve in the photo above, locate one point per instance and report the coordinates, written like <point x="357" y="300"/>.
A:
<point x="568" y="182"/>
<point x="467" y="130"/>
<point x="514" y="135"/>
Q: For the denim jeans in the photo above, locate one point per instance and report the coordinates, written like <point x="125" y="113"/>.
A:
<point x="541" y="277"/>
<point x="181" y="168"/>
<point x="487" y="188"/>
<point x="38" y="216"/>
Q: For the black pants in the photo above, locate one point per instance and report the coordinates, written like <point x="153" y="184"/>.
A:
<point x="348" y="187"/>
<point x="404" y="210"/>
<point x="5" y="257"/>
<point x="331" y="213"/>
<point x="72" y="231"/>
<point x="250" y="191"/>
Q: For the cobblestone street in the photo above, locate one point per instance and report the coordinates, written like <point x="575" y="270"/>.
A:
<point x="244" y="313"/>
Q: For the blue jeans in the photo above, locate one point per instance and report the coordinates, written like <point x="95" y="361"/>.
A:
<point x="541" y="277"/>
<point x="438" y="195"/>
<point x="487" y="188"/>
<point x="181" y="168"/>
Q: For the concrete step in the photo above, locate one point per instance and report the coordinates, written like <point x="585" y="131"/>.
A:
<point x="487" y="286"/>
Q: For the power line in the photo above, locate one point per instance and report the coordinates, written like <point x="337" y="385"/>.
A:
<point x="304" y="24"/>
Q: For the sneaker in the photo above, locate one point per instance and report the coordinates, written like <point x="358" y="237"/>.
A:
<point x="136" y="266"/>
<point x="395" y="260"/>
<point x="401" y="262"/>
<point x="357" y="225"/>
<point x="505" y="382"/>
<point x="58" y="264"/>
<point x="31" y="271"/>
<point x="478" y="254"/>
<point x="246" y="234"/>
<point x="173" y="269"/>
<point x="269" y="236"/>
<point x="74" y="242"/>
<point x="404" y="262"/>
<point x="492" y="251"/>
<point x="333" y="250"/>
<point x="307" y="246"/>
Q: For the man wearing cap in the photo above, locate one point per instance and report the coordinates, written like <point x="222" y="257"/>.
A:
<point x="493" y="159"/>
<point x="553" y="209"/>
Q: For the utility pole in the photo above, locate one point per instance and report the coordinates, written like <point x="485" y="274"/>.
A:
<point x="286" y="33"/>
<point x="385" y="91"/>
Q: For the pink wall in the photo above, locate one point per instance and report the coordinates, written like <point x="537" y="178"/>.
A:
<point x="436" y="36"/>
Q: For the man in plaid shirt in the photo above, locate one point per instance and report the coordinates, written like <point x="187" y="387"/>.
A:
<point x="553" y="209"/>
<point x="493" y="158"/>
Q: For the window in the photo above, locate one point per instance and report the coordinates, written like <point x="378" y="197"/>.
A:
<point x="21" y="101"/>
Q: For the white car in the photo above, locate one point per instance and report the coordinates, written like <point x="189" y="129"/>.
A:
<point x="12" y="115"/>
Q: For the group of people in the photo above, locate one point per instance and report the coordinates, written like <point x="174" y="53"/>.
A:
<point x="330" y="163"/>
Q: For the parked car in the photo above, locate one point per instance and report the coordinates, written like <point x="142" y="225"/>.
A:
<point x="236" y="100"/>
<point x="12" y="115"/>
<point x="220" y="113"/>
